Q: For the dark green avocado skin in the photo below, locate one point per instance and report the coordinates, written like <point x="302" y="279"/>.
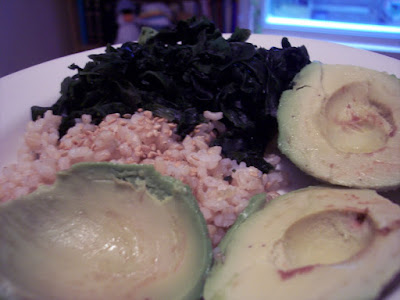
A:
<point x="256" y="203"/>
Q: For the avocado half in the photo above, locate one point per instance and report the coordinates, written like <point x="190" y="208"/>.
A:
<point x="313" y="243"/>
<point x="340" y="124"/>
<point x="104" y="231"/>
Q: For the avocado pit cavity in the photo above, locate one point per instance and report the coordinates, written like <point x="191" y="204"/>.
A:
<point x="353" y="122"/>
<point x="328" y="237"/>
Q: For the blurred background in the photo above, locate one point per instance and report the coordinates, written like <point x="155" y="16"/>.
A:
<point x="34" y="31"/>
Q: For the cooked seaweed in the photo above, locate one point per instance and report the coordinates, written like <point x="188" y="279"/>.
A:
<point x="180" y="73"/>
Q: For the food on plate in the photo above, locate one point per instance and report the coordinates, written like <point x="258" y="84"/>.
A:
<point x="202" y="109"/>
<point x="222" y="186"/>
<point x="340" y="124"/>
<point x="313" y="243"/>
<point x="180" y="73"/>
<point x="104" y="231"/>
<point x="188" y="101"/>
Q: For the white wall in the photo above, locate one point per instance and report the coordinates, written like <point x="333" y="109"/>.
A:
<point x="31" y="32"/>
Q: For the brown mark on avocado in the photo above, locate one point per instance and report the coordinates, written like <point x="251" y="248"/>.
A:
<point x="388" y="229"/>
<point x="290" y="273"/>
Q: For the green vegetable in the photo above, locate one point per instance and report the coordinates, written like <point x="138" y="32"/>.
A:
<point x="182" y="72"/>
<point x="104" y="231"/>
<point x="348" y="115"/>
<point x="292" y="246"/>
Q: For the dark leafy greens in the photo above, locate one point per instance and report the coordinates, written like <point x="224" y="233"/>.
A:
<point x="182" y="72"/>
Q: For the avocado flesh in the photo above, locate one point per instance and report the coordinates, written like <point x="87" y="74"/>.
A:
<point x="104" y="231"/>
<point x="313" y="243"/>
<point x="340" y="124"/>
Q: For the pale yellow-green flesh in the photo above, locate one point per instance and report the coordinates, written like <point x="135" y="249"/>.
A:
<point x="354" y="122"/>
<point x="133" y="248"/>
<point x="323" y="244"/>
<point x="341" y="124"/>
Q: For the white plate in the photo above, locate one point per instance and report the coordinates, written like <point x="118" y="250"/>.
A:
<point x="40" y="84"/>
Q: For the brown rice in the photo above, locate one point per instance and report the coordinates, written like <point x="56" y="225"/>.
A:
<point x="221" y="186"/>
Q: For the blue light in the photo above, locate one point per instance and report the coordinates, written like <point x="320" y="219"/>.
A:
<point x="331" y="25"/>
<point x="372" y="47"/>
